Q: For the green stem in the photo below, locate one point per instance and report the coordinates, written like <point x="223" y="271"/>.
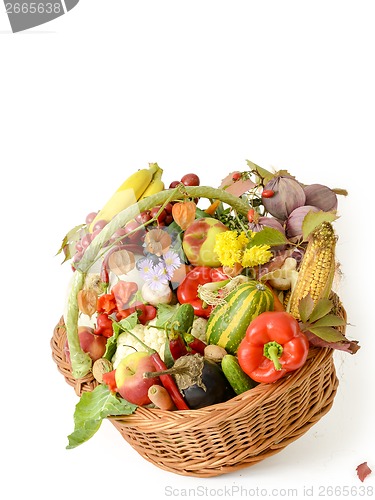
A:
<point x="273" y="351"/>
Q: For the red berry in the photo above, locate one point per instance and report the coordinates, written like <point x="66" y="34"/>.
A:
<point x="132" y="226"/>
<point x="190" y="180"/>
<point x="267" y="193"/>
<point x="168" y="207"/>
<point x="90" y="217"/>
<point x="236" y="176"/>
<point x="174" y="184"/>
<point x="168" y="220"/>
<point x="143" y="217"/>
<point x="121" y="231"/>
<point x="154" y="211"/>
<point x="86" y="240"/>
<point x="99" y="224"/>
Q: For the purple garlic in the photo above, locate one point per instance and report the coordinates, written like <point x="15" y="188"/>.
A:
<point x="294" y="222"/>
<point x="321" y="196"/>
<point x="288" y="195"/>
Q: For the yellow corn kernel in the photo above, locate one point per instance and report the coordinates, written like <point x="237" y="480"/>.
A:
<point x="317" y="270"/>
<point x="286" y="298"/>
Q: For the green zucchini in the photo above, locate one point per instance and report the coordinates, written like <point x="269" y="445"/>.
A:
<point x="238" y="379"/>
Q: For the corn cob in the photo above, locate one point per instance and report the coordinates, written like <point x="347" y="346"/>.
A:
<point x="286" y="298"/>
<point x="317" y="270"/>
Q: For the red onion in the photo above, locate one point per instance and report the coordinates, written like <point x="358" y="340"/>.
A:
<point x="288" y="195"/>
<point x="321" y="196"/>
<point x="295" y="220"/>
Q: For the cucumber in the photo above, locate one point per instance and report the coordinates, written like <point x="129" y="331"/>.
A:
<point x="183" y="318"/>
<point x="237" y="378"/>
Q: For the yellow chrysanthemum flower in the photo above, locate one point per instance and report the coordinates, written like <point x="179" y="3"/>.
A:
<point x="256" y="256"/>
<point x="229" y="247"/>
<point x="242" y="239"/>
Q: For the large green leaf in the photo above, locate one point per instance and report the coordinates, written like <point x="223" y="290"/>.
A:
<point x="69" y="241"/>
<point x="329" y="320"/>
<point x="305" y="308"/>
<point x="165" y="312"/>
<point x="262" y="172"/>
<point x="322" y="307"/>
<point x="268" y="236"/>
<point x="313" y="219"/>
<point x="90" y="411"/>
<point x="327" y="333"/>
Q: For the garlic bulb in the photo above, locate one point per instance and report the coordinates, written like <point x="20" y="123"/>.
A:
<point x="320" y="196"/>
<point x="295" y="220"/>
<point x="260" y="222"/>
<point x="288" y="195"/>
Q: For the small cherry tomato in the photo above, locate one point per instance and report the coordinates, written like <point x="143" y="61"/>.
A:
<point x="250" y="215"/>
<point x="267" y="193"/>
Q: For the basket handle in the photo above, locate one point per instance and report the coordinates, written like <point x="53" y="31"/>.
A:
<point x="81" y="361"/>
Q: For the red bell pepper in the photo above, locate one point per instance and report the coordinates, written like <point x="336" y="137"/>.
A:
<point x="187" y="292"/>
<point x="272" y="347"/>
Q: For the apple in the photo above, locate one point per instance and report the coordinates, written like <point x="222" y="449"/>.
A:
<point x="93" y="344"/>
<point x="130" y="383"/>
<point x="199" y="241"/>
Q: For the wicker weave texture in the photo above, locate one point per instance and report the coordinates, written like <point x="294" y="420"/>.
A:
<point x="58" y="340"/>
<point x="229" y="436"/>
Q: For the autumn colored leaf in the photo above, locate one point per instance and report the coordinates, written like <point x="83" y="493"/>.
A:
<point x="363" y="470"/>
<point x="350" y="346"/>
<point x="236" y="187"/>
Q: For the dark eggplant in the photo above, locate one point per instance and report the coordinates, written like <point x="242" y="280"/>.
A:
<point x="217" y="388"/>
<point x="200" y="380"/>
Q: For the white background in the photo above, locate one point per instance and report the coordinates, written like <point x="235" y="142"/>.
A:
<point x="197" y="87"/>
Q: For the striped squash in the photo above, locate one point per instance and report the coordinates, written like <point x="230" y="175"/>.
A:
<point x="228" y="322"/>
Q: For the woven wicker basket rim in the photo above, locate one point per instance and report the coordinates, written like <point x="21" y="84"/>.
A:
<point x="229" y="436"/>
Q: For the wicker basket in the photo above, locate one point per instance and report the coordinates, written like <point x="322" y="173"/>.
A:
<point x="229" y="436"/>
